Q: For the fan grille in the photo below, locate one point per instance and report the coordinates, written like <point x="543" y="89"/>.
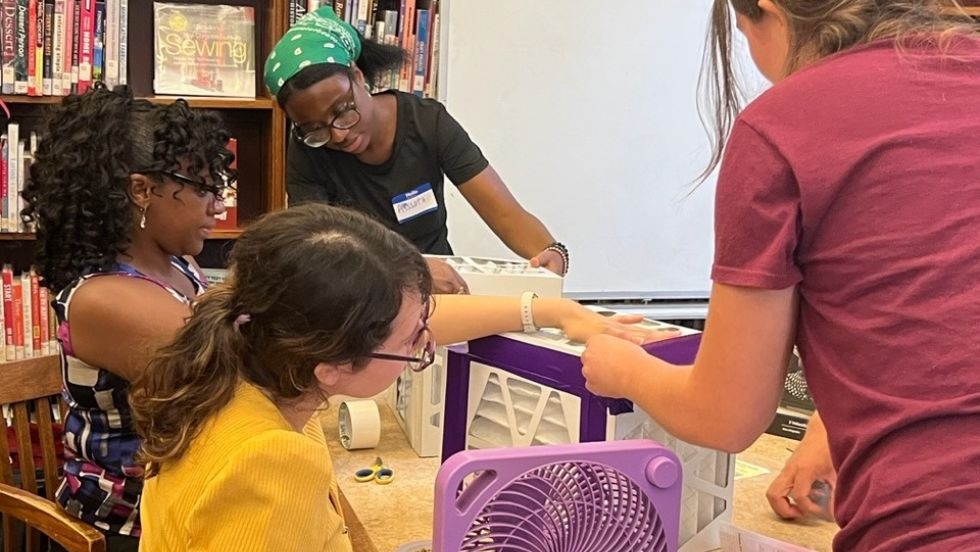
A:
<point x="568" y="507"/>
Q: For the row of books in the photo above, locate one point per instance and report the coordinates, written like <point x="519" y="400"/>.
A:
<point x="413" y="25"/>
<point x="60" y="47"/>
<point x="16" y="156"/>
<point x="30" y="327"/>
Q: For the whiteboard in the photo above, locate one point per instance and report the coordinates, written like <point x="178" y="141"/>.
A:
<point x="588" y="110"/>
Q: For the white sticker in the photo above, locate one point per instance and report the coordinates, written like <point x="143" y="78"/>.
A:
<point x="414" y="204"/>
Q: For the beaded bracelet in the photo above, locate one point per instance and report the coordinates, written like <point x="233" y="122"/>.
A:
<point x="560" y="248"/>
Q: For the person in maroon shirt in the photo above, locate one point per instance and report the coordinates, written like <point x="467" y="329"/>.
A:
<point x="847" y="223"/>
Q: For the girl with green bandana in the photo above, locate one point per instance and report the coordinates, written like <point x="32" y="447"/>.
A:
<point x="387" y="154"/>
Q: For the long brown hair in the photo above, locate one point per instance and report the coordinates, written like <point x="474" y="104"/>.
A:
<point x="316" y="284"/>
<point x="818" y="28"/>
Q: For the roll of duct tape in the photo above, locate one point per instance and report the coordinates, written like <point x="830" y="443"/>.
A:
<point x="360" y="424"/>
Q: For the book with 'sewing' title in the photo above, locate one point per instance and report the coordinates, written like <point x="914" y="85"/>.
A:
<point x="204" y="50"/>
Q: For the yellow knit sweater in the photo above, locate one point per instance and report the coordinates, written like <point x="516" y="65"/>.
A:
<point x="248" y="482"/>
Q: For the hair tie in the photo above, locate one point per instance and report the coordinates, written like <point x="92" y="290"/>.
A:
<point x="241" y="321"/>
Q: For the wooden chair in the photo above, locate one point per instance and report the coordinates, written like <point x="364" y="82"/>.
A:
<point x="28" y="388"/>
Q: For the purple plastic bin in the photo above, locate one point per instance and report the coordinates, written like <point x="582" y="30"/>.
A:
<point x="584" y="497"/>
<point x="555" y="369"/>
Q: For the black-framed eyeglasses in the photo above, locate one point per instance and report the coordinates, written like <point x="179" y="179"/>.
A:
<point x="424" y="349"/>
<point x="226" y="190"/>
<point x="345" y="119"/>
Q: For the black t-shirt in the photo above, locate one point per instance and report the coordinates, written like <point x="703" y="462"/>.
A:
<point x="429" y="143"/>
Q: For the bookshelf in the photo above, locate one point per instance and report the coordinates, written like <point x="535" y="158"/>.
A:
<point x="44" y="363"/>
<point x="16" y="236"/>
<point x="258" y="124"/>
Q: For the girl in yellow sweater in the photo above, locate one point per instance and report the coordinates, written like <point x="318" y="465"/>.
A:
<point x="320" y="301"/>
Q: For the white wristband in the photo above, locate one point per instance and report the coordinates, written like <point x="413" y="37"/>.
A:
<point x="527" y="317"/>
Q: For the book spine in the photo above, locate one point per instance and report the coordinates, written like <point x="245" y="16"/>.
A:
<point x="35" y="313"/>
<point x="4" y="187"/>
<point x="32" y="66"/>
<point x="123" y="42"/>
<point x="432" y="79"/>
<point x="52" y="327"/>
<point x="421" y="52"/>
<point x="18" y="319"/>
<point x="69" y="78"/>
<point x="48" y="42"/>
<point x="85" y="43"/>
<point x="58" y="48"/>
<point x="375" y="12"/>
<point x="98" y="38"/>
<point x="7" y="276"/>
<point x="9" y="37"/>
<point x="13" y="137"/>
<point x="40" y="22"/>
<point x="25" y="290"/>
<point x="45" y="322"/>
<point x="363" y="12"/>
<point x="25" y="175"/>
<point x="20" y="61"/>
<point x="112" y="43"/>
<point x="300" y="8"/>
<point x="408" y="44"/>
<point x="20" y="187"/>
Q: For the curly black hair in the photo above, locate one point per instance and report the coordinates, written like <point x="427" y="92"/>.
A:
<point x="77" y="194"/>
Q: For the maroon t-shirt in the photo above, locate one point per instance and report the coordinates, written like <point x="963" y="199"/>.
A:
<point x="858" y="180"/>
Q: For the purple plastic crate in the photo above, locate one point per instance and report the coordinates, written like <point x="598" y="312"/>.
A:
<point x="555" y="369"/>
<point x="584" y="497"/>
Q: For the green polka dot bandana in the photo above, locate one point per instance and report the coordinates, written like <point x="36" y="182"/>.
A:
<point x="319" y="37"/>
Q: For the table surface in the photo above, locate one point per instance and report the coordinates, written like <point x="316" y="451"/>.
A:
<point x="387" y="516"/>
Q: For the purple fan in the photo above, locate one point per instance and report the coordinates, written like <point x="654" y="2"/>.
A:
<point x="583" y="497"/>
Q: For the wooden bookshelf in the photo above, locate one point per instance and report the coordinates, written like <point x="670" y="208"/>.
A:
<point x="258" y="123"/>
<point x="43" y="362"/>
<point x="47" y="368"/>
<point x="226" y="234"/>
<point x="17" y="236"/>
<point x="218" y="103"/>
<point x="30" y="100"/>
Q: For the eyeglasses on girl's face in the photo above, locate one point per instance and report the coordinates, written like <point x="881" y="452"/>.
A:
<point x="423" y="349"/>
<point x="345" y="117"/>
<point x="226" y="189"/>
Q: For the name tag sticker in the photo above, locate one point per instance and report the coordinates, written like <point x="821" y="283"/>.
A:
<point x="415" y="203"/>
